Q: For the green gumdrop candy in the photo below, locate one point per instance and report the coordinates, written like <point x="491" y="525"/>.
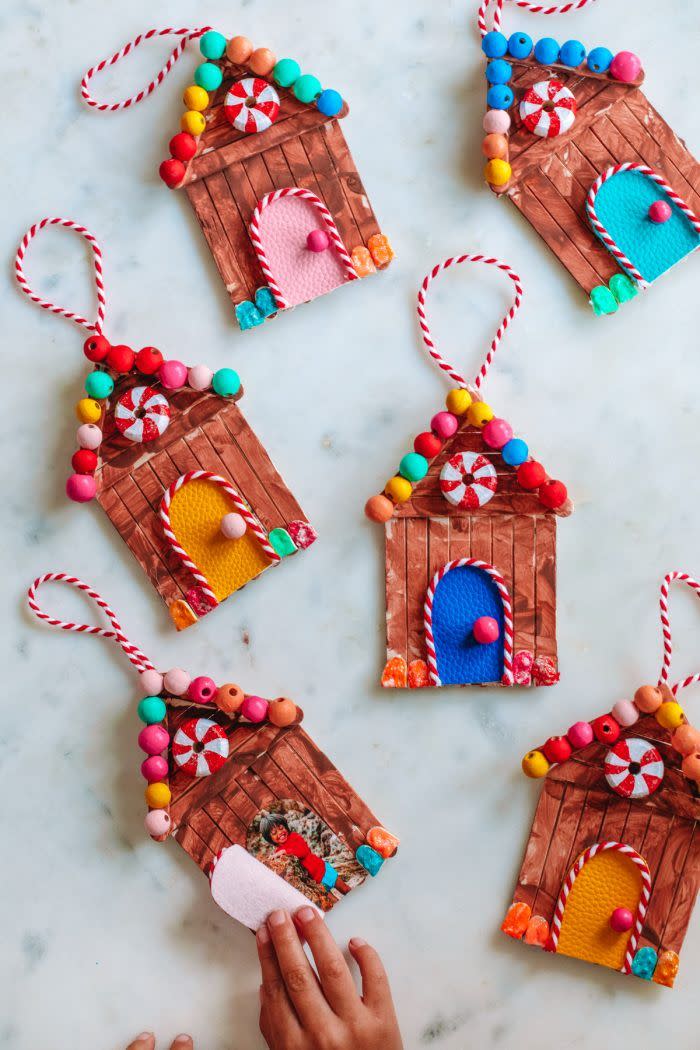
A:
<point x="282" y="542"/>
<point x="603" y="301"/>
<point x="623" y="287"/>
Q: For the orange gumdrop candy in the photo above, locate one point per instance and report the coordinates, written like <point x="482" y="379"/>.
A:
<point x="537" y="931"/>
<point x="516" y="920"/>
<point x="395" y="674"/>
<point x="181" y="614"/>
<point x="418" y="677"/>
<point x="362" y="261"/>
<point x="382" y="841"/>
<point x="380" y="250"/>
<point x="666" y="969"/>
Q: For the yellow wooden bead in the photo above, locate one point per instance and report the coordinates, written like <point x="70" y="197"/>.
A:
<point x="88" y="410"/>
<point x="193" y="122"/>
<point x="498" y="172"/>
<point x="458" y="401"/>
<point x="158" y="795"/>
<point x="398" y="489"/>
<point x="670" y="715"/>
<point x="535" y="765"/>
<point x="195" y="98"/>
<point x="479" y="413"/>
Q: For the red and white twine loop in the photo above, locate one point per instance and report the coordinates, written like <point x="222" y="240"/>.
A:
<point x="185" y="34"/>
<point x="526" y="5"/>
<point x="45" y="304"/>
<point x="131" y="651"/>
<point x="425" y="330"/>
<point x="669" y="578"/>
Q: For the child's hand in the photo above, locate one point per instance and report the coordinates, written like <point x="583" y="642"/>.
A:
<point x="299" y="1011"/>
<point x="147" y="1041"/>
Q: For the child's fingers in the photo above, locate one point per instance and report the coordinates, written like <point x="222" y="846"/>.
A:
<point x="274" y="1001"/>
<point x="145" y="1041"/>
<point x="376" y="992"/>
<point x="182" y="1042"/>
<point x="299" y="979"/>
<point x="336" y="979"/>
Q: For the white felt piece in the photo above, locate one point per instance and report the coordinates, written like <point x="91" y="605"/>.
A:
<point x="248" y="891"/>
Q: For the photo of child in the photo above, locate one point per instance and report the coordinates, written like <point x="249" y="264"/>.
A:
<point x="291" y="840"/>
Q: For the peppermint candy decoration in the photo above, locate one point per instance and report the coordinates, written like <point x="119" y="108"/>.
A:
<point x="468" y="480"/>
<point x="200" y="747"/>
<point x="142" y="414"/>
<point x="634" y="768"/>
<point x="251" y="105"/>
<point x="548" y="108"/>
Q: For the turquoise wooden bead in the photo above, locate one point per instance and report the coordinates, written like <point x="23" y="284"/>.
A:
<point x="151" y="710"/>
<point x="413" y="466"/>
<point x="212" y="44"/>
<point x="99" y="385"/>
<point x="208" y="76"/>
<point x="226" y="382"/>
<point x="307" y="88"/>
<point x="286" y="72"/>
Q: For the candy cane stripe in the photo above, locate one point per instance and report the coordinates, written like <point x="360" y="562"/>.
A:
<point x="507" y="617"/>
<point x="642" y="907"/>
<point x="331" y="229"/>
<point x="242" y="508"/>
<point x="535" y="9"/>
<point x="669" y="578"/>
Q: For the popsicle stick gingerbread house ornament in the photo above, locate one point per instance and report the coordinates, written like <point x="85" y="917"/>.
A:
<point x="574" y="143"/>
<point x="236" y="781"/>
<point x="263" y="161"/>
<point x="470" y="528"/>
<point x="612" y="867"/>
<point x="168" y="455"/>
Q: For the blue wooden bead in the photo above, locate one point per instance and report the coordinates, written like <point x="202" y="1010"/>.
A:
<point x="208" y="76"/>
<point x="515" y="452"/>
<point x="413" y="466"/>
<point x="226" y="382"/>
<point x="572" y="53"/>
<point x="498" y="71"/>
<point x="212" y="44"/>
<point x="547" y="50"/>
<point x="370" y="860"/>
<point x="329" y="102"/>
<point x="151" y="710"/>
<point x="520" y="45"/>
<point x="599" y="59"/>
<point x="99" y="385"/>
<point x="494" y="44"/>
<point x="499" y="96"/>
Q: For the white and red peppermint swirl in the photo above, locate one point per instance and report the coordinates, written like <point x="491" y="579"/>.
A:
<point x="200" y="747"/>
<point x="142" y="414"/>
<point x="251" y="105"/>
<point x="548" y="108"/>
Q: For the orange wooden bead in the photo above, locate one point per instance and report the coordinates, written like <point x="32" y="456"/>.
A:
<point x="648" y="699"/>
<point x="262" y="61"/>
<point x="239" y="49"/>
<point x="383" y="842"/>
<point x="686" y="739"/>
<point x="495" y="146"/>
<point x="691" y="766"/>
<point x="229" y="698"/>
<point x="379" y="508"/>
<point x="516" y="921"/>
<point x="282" y="712"/>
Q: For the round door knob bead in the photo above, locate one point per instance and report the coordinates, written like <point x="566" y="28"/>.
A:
<point x="660" y="212"/>
<point x="485" y="630"/>
<point x="621" y="920"/>
<point x="318" y="241"/>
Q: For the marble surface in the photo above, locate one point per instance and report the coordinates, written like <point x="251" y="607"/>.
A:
<point x="105" y="933"/>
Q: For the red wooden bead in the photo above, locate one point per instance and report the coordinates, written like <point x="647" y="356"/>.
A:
<point x="84" y="461"/>
<point x="553" y="494"/>
<point x="172" y="172"/>
<point x="121" y="358"/>
<point x="557" y="749"/>
<point x="531" y="474"/>
<point x="605" y="729"/>
<point x="95" y="348"/>
<point x="427" y="444"/>
<point x="183" y="146"/>
<point x="149" y="360"/>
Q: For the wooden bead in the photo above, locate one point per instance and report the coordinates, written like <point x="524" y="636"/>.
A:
<point x="553" y="494"/>
<point x="196" y="98"/>
<point x="444" y="424"/>
<point x="495" y="146"/>
<point x="99" y="385"/>
<point x="84" y="461"/>
<point x="479" y="414"/>
<point x="557" y="749"/>
<point x="691" y="766"/>
<point x="201" y="690"/>
<point x="89" y="436"/>
<point x="96" y="348"/>
<point x="605" y="729"/>
<point x="239" y="49"/>
<point x="88" y="410"/>
<point x="498" y="172"/>
<point x="307" y="88"/>
<point x="255" y="708"/>
<point x="458" y="401"/>
<point x="199" y="377"/>
<point x="282" y="712"/>
<point x="176" y="681"/>
<point x="686" y="739"/>
<point x="262" y="61"/>
<point x="531" y="475"/>
<point x="157" y="823"/>
<point x="155" y="767"/>
<point x="193" y="122"/>
<point x="151" y="682"/>
<point x="121" y="358"/>
<point x="625" y="712"/>
<point x="535" y="765"/>
<point x="153" y="739"/>
<point x="151" y="710"/>
<point x="398" y="489"/>
<point x="427" y="444"/>
<point x="229" y="698"/>
<point x="148" y="360"/>
<point x="173" y="375"/>
<point x="172" y="172"/>
<point x="379" y="509"/>
<point x="158" y="795"/>
<point x="183" y="146"/>
<point x="670" y="715"/>
<point x="648" y="699"/>
<point x="580" y="734"/>
<point x="81" y="488"/>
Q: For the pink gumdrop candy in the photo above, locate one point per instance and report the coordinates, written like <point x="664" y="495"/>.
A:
<point x="254" y="708"/>
<point x="444" y="424"/>
<point x="81" y="488"/>
<point x="485" y="630"/>
<point x="626" y="67"/>
<point x="625" y="712"/>
<point x="660" y="212"/>
<point x="621" y="920"/>
<point x="318" y="241"/>
<point x="157" y="823"/>
<point x="153" y="739"/>
<point x="580" y="734"/>
<point x="497" y="433"/>
<point x="154" y="768"/>
<point x="496" y="121"/>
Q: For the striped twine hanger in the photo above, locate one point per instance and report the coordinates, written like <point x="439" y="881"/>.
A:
<point x="132" y="652"/>
<point x="110" y="107"/>
<point x="423" y="322"/>
<point x="669" y="578"/>
<point x="92" y="326"/>
<point x="535" y="9"/>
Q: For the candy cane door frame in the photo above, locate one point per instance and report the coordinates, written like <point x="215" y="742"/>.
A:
<point x="462" y="595"/>
<point x="299" y="248"/>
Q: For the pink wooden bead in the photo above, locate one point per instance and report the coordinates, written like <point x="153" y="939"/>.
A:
<point x="154" y="768"/>
<point x="157" y="823"/>
<point x="81" y="488"/>
<point x="172" y="374"/>
<point x="176" y="681"/>
<point x="626" y="67"/>
<point x="318" y="241"/>
<point x="202" y="690"/>
<point x="233" y="526"/>
<point x="200" y="377"/>
<point x="625" y="712"/>
<point x="580" y="734"/>
<point x="89" y="436"/>
<point x="621" y="920"/>
<point x="497" y="433"/>
<point x="496" y="122"/>
<point x="254" y="708"/>
<point x="660" y="212"/>
<point x="444" y="424"/>
<point x="485" y="630"/>
<point x="151" y="683"/>
<point x="153" y="739"/>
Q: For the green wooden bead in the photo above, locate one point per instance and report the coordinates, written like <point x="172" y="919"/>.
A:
<point x="99" y="385"/>
<point x="286" y="72"/>
<point x="282" y="542"/>
<point x="208" y="76"/>
<point x="151" y="710"/>
<point x="212" y="44"/>
<point x="226" y="382"/>
<point x="307" y="88"/>
<point x="413" y="466"/>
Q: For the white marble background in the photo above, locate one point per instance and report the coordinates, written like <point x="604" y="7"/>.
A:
<point x="105" y="934"/>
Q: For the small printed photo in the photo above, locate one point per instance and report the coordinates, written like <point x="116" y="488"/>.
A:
<point x="297" y="845"/>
